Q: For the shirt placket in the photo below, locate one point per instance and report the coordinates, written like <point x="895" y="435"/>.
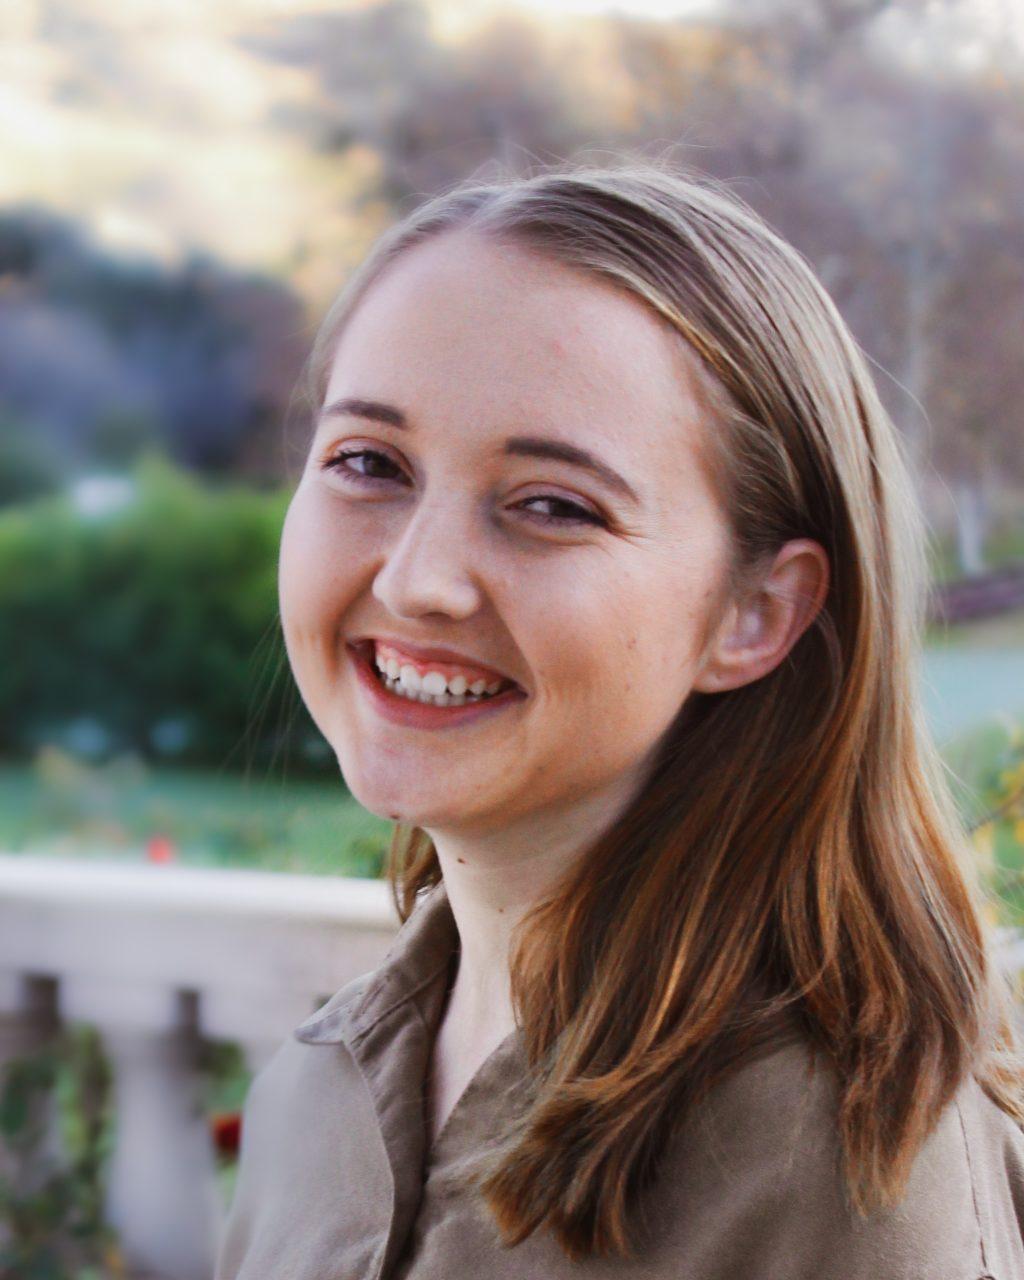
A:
<point x="392" y="1053"/>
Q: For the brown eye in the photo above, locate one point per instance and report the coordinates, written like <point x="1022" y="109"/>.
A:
<point x="578" y="514"/>
<point x="374" y="460"/>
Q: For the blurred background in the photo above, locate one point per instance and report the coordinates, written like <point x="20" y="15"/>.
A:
<point x="184" y="188"/>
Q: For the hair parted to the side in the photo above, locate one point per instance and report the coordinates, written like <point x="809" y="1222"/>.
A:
<point x="795" y="853"/>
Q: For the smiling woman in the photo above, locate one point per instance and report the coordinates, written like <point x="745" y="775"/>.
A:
<point x="462" y="530"/>
<point x="605" y="580"/>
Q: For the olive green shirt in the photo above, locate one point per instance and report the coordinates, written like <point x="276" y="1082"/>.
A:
<point x="337" y="1180"/>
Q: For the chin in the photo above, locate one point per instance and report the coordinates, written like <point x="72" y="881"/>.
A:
<point x="418" y="806"/>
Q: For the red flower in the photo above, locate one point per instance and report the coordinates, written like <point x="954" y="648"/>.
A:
<point x="160" y="849"/>
<point x="226" y="1131"/>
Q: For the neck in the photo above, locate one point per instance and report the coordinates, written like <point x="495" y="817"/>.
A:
<point x="492" y="880"/>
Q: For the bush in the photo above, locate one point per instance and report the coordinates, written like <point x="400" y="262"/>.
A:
<point x="149" y="627"/>
<point x="28" y="467"/>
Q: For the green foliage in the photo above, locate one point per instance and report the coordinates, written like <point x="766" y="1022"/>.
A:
<point x="148" y="627"/>
<point x="997" y="823"/>
<point x="121" y="437"/>
<point x="51" y="1192"/>
<point x="28" y="467"/>
<point x="226" y="1077"/>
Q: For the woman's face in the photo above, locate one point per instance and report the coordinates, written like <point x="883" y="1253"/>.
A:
<point x="589" y="587"/>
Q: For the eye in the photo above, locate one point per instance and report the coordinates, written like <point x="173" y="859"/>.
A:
<point x="581" y="515"/>
<point x="374" y="458"/>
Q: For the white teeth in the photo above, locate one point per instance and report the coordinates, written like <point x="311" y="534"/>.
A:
<point x="434" y="682"/>
<point x="405" y="678"/>
<point x="411" y="678"/>
<point x="436" y="699"/>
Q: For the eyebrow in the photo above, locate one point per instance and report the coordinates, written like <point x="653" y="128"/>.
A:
<point x="515" y="446"/>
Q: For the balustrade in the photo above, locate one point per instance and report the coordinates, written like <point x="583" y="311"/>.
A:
<point x="158" y="958"/>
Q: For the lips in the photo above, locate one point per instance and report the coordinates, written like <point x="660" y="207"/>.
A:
<point x="423" y="655"/>
<point x="415" y="714"/>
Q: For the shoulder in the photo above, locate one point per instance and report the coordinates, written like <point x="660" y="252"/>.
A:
<point x="292" y="1082"/>
<point x="293" y="1072"/>
<point x="308" y="1088"/>
<point x="994" y="1148"/>
<point x="755" y="1186"/>
<point x="307" y="1104"/>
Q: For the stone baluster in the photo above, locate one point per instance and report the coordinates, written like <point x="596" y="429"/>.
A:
<point x="162" y="1192"/>
<point x="155" y="957"/>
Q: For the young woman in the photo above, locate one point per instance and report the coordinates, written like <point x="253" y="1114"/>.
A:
<point x="605" y="581"/>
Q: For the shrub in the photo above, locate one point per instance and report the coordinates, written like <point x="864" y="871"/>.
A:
<point x="151" y="627"/>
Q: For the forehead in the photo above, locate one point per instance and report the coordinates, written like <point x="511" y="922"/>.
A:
<point x="477" y="336"/>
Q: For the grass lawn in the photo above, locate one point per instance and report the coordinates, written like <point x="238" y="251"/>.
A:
<point x="61" y="806"/>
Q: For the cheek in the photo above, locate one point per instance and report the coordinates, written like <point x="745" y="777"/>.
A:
<point x="321" y="553"/>
<point x="320" y="562"/>
<point x="623" y="639"/>
<point x="301" y="598"/>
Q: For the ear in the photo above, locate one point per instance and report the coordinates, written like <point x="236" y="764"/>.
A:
<point x="755" y="634"/>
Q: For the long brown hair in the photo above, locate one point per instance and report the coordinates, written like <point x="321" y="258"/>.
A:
<point x="795" y="851"/>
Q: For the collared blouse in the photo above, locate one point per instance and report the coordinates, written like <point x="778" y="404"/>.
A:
<point x="338" y="1180"/>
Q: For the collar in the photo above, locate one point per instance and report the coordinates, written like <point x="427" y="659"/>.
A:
<point x="417" y="966"/>
<point x="420" y="953"/>
<point x="386" y="1020"/>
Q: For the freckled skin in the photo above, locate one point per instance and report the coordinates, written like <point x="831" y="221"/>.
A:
<point x="474" y="342"/>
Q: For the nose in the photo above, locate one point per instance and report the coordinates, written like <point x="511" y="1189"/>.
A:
<point x="430" y="567"/>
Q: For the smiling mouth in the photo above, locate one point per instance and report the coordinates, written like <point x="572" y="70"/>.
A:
<point x="410" y="686"/>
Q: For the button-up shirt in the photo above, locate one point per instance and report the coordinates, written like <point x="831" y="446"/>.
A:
<point x="338" y="1179"/>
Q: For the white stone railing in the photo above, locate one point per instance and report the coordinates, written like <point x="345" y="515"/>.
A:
<point x="156" y="958"/>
